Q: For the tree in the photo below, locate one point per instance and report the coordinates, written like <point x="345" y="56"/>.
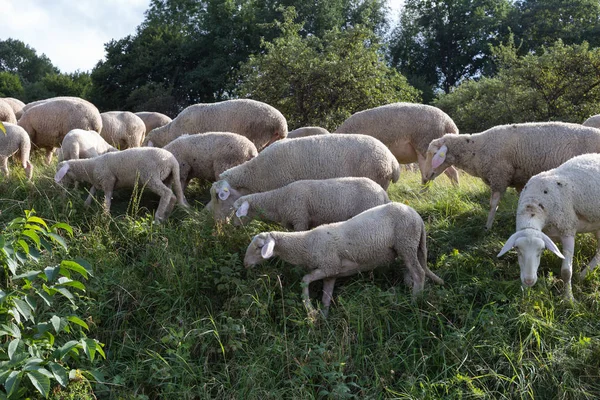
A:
<point x="18" y="58"/>
<point x="315" y="81"/>
<point x="440" y="43"/>
<point x="10" y="85"/>
<point x="560" y="83"/>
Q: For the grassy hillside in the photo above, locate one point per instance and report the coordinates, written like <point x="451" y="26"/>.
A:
<point x="182" y="319"/>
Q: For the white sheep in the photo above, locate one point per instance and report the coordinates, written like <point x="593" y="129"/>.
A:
<point x="153" y="120"/>
<point x="309" y="203"/>
<point x="207" y="155"/>
<point x="79" y="143"/>
<point x="258" y="121"/>
<point x="372" y="238"/>
<point x="38" y="102"/>
<point x="151" y="168"/>
<point x="561" y="202"/>
<point x="593" y="121"/>
<point x="307" y="131"/>
<point x="406" y="128"/>
<point x="16" y="105"/>
<point x="15" y="139"/>
<point x="508" y="155"/>
<point x="122" y="129"/>
<point x="312" y="157"/>
<point x="48" y="122"/>
<point x="6" y="112"/>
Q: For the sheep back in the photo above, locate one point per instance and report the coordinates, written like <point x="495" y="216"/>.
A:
<point x="153" y="120"/>
<point x="593" y="121"/>
<point x="79" y="143"/>
<point x="122" y="129"/>
<point x="307" y="131"/>
<point x="16" y="105"/>
<point x="6" y="112"/>
<point x="16" y="139"/>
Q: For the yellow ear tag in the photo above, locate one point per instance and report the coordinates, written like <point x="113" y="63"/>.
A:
<point x="442" y="154"/>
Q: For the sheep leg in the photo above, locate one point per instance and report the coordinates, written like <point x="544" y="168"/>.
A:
<point x="167" y="199"/>
<point x="49" y="154"/>
<point x="494" y="200"/>
<point x="328" y="284"/>
<point x="5" y="166"/>
<point x="594" y="260"/>
<point x="566" y="270"/>
<point x="422" y="167"/>
<point x="108" y="187"/>
<point x="314" y="275"/>
<point x="415" y="273"/>
<point x="452" y="173"/>
<point x="90" y="197"/>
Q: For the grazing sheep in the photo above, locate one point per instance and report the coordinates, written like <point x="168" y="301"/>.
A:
<point x="593" y="121"/>
<point x="406" y="128"/>
<point x="16" y="105"/>
<point x="122" y="129"/>
<point x="561" y="202"/>
<point x="49" y="122"/>
<point x="151" y="168"/>
<point x="83" y="144"/>
<point x="6" y="112"/>
<point x="307" y="131"/>
<point x="508" y="155"/>
<point x="302" y="205"/>
<point x="38" y="102"/>
<point x="372" y="238"/>
<point x="312" y="157"/>
<point x="258" y="121"/>
<point x="153" y="120"/>
<point x="15" y="139"/>
<point x="207" y="155"/>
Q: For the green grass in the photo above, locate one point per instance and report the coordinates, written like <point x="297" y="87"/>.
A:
<point x="181" y="317"/>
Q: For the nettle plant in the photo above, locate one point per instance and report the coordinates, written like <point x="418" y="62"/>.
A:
<point x="41" y="338"/>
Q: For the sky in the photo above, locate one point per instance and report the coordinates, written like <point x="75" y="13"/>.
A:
<point x="72" y="33"/>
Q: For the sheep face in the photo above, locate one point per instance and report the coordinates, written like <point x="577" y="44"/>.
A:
<point x="241" y="211"/>
<point x="530" y="244"/>
<point x="222" y="197"/>
<point x="261" y="247"/>
<point x="63" y="175"/>
<point x="438" y="158"/>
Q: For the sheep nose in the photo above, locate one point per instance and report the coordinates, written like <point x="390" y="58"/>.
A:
<point x="529" y="281"/>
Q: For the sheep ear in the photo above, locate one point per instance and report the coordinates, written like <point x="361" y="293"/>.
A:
<point x="243" y="210"/>
<point x="439" y="157"/>
<point x="267" y="249"/>
<point x="61" y="173"/>
<point x="551" y="246"/>
<point x="510" y="243"/>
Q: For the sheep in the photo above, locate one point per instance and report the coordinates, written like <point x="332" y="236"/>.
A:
<point x="16" y="105"/>
<point x="6" y="113"/>
<point x="207" y="155"/>
<point x="28" y="106"/>
<point x="153" y="120"/>
<point x="508" y="155"/>
<point x="149" y="167"/>
<point x="15" y="139"/>
<point x="307" y="131"/>
<point x="593" y="121"/>
<point x="561" y="202"/>
<point x="258" y="121"/>
<point x="372" y="238"/>
<point x="306" y="204"/>
<point x="312" y="157"/>
<point x="49" y="122"/>
<point x="406" y="128"/>
<point x="83" y="144"/>
<point x="122" y="129"/>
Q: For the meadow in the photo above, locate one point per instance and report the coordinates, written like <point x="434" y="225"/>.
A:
<point x="181" y="318"/>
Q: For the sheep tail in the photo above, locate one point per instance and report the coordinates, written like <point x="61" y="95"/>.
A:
<point x="395" y="170"/>
<point x="177" y="184"/>
<point x="24" y="150"/>
<point x="422" y="255"/>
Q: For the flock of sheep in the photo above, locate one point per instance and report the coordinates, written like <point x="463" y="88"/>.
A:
<point x="330" y="189"/>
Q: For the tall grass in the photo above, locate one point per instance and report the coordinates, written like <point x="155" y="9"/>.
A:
<point x="182" y="318"/>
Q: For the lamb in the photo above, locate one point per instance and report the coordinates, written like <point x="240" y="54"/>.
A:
<point x="153" y="120"/>
<point x="15" y="139"/>
<point x="372" y="238"/>
<point x="83" y="144"/>
<point x="49" y="122"/>
<point x="6" y="113"/>
<point x="306" y="204"/>
<point x="406" y="128"/>
<point x="312" y="157"/>
<point x="593" y="121"/>
<point x="122" y="129"/>
<point x="508" y="155"/>
<point x="16" y="105"/>
<point x="207" y="155"/>
<point x="152" y="168"/>
<point x="561" y="202"/>
<point x="307" y="131"/>
<point x="258" y="121"/>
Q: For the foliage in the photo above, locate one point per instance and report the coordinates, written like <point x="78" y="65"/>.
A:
<point x="321" y="82"/>
<point x="10" y="85"/>
<point x="18" y="58"/>
<point x="41" y="337"/>
<point x="561" y="83"/>
<point x="76" y="84"/>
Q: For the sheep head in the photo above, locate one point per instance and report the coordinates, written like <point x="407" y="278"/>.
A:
<point x="260" y="248"/>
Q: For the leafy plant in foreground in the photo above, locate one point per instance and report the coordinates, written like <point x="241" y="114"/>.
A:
<point x="40" y="334"/>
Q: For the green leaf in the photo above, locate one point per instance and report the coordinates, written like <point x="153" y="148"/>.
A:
<point x="89" y="348"/>
<point x="12" y="265"/>
<point x="31" y="302"/>
<point x="30" y="233"/>
<point x="85" y="264"/>
<point x="40" y="381"/>
<point x="10" y="329"/>
<point x="45" y="296"/>
<point x="74" y="266"/>
<point x="100" y="350"/>
<point x="2" y="296"/>
<point x="60" y="373"/>
<point x="52" y="272"/>
<point x="12" y="347"/>
<point x="28" y="275"/>
<point x="37" y="220"/>
<point x="12" y="382"/>
<point x="65" y="348"/>
<point x="65" y="292"/>
<point x="78" y="321"/>
<point x="64" y="226"/>
<point x="69" y="282"/>
<point x="58" y="239"/>
<point x="56" y="322"/>
<point x="24" y="309"/>
<point x="15" y="313"/>
<point x="23" y="245"/>
<point x="94" y="376"/>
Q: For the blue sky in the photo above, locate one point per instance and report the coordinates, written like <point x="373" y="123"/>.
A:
<point x="72" y="33"/>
